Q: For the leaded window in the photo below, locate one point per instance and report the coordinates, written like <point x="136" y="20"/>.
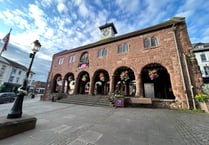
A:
<point x="146" y="43"/>
<point x="153" y="41"/>
<point x="60" y="60"/>
<point x="84" y="61"/>
<point x="123" y="48"/>
<point x="72" y="59"/>
<point x="102" y="52"/>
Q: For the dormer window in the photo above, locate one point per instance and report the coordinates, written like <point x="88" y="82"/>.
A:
<point x="200" y="46"/>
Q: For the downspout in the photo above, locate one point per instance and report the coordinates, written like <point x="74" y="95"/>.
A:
<point x="190" y="83"/>
<point x="178" y="56"/>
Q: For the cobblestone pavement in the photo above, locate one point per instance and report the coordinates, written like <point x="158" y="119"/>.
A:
<point x="67" y="124"/>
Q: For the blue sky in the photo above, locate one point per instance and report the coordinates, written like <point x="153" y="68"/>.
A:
<point x="67" y="24"/>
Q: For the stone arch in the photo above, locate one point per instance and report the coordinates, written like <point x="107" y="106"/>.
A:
<point x="57" y="84"/>
<point x="83" y="83"/>
<point x="101" y="82"/>
<point x="69" y="83"/>
<point x="155" y="81"/>
<point x="124" y="81"/>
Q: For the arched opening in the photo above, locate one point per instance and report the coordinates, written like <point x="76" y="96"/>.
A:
<point x="84" y="61"/>
<point x="69" y="83"/>
<point x="101" y="82"/>
<point x="57" y="84"/>
<point x="124" y="81"/>
<point x="156" y="82"/>
<point x="83" y="83"/>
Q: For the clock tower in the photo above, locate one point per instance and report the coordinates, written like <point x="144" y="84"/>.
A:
<point x="108" y="30"/>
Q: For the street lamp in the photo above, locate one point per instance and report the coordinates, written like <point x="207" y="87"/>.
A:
<point x="16" y="111"/>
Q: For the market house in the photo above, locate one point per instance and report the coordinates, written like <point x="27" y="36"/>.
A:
<point x="156" y="62"/>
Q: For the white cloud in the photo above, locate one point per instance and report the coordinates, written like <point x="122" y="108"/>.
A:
<point x="82" y="9"/>
<point x="62" y="8"/>
<point x="129" y="6"/>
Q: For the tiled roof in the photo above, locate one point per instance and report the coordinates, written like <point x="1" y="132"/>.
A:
<point x="199" y="49"/>
<point x="14" y="64"/>
<point x="173" y="21"/>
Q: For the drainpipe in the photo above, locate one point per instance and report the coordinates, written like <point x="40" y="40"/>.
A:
<point x="179" y="61"/>
<point x="190" y="82"/>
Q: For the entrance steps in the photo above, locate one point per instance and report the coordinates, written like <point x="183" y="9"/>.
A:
<point x="88" y="100"/>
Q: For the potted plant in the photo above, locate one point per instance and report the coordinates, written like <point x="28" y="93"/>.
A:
<point x="119" y="100"/>
<point x="202" y="101"/>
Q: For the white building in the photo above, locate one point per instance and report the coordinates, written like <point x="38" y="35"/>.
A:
<point x="12" y="72"/>
<point x="201" y="51"/>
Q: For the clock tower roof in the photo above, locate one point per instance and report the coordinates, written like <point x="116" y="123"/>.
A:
<point x="108" y="25"/>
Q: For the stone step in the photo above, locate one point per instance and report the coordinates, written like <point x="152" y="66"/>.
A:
<point x="87" y="100"/>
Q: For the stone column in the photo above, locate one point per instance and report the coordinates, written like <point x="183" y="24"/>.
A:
<point x="112" y="85"/>
<point x="91" y="88"/>
<point x="138" y="85"/>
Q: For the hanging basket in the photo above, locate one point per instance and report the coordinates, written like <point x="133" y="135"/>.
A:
<point x="101" y="77"/>
<point x="124" y="76"/>
<point x="153" y="74"/>
<point x="84" y="78"/>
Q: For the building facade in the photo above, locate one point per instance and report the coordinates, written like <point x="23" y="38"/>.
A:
<point x="156" y="62"/>
<point x="13" y="73"/>
<point x="201" y="51"/>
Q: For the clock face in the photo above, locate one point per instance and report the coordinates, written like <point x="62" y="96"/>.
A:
<point x="106" y="32"/>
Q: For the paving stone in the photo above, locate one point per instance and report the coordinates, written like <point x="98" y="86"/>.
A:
<point x="66" y="124"/>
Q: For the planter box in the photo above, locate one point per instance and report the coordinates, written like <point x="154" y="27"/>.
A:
<point x="119" y="102"/>
<point x="204" y="106"/>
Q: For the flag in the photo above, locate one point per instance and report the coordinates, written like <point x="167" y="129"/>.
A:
<point x="6" y="41"/>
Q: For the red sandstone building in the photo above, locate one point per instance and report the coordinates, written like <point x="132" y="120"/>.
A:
<point x="155" y="62"/>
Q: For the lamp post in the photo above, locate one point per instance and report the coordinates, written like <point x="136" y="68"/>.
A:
<point x="16" y="111"/>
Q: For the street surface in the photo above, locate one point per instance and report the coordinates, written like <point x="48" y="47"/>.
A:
<point x="68" y="124"/>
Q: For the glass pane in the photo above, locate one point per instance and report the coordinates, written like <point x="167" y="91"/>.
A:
<point x="146" y="43"/>
<point x="153" y="41"/>
<point x="104" y="52"/>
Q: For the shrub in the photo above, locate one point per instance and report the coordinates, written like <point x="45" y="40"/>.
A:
<point x="201" y="97"/>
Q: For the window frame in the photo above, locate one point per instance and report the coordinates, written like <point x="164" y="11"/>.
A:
<point x="147" y="43"/>
<point x="203" y="57"/>
<point x="206" y="70"/>
<point x="102" y="52"/>
<point x="72" y="59"/>
<point x="154" y="42"/>
<point x="123" y="48"/>
<point x="61" y="60"/>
